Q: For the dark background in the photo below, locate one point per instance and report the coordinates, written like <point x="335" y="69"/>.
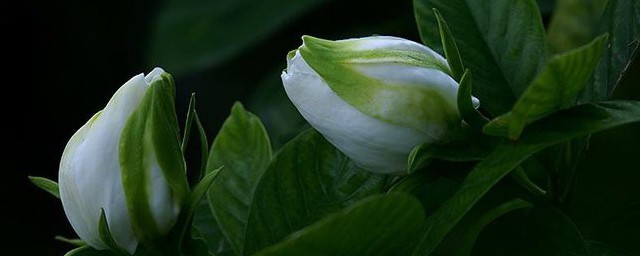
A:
<point x="62" y="62"/>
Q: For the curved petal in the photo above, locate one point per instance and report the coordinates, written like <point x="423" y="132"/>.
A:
<point x="372" y="144"/>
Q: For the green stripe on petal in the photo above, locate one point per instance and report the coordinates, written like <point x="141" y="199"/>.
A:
<point x="410" y="105"/>
<point x="150" y="140"/>
<point x="352" y="52"/>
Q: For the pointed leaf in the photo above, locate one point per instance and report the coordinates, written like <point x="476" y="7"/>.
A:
<point x="555" y="88"/>
<point x="501" y="41"/>
<point x="556" y="128"/>
<point x="379" y="225"/>
<point x="242" y="146"/>
<point x="449" y="47"/>
<point x="307" y="180"/>
<point x="47" y="185"/>
<point x="193" y="35"/>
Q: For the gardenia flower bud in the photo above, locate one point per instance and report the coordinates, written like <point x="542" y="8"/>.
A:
<point x="126" y="161"/>
<point x="374" y="98"/>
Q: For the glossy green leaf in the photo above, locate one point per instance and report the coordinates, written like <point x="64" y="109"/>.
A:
<point x="449" y="47"/>
<point x="242" y="146"/>
<point x="556" y="128"/>
<point x="307" y="180"/>
<point x="192" y="35"/>
<point x="462" y="243"/>
<point x="574" y="23"/>
<point x="555" y="88"/>
<point x="501" y="42"/>
<point x="379" y="225"/>
<point x="46" y="184"/>
<point x="622" y="22"/>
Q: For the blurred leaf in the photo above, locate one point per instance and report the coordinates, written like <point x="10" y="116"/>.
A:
<point x="542" y="230"/>
<point x="501" y="42"/>
<point x="242" y="147"/>
<point x="379" y="225"/>
<point x="622" y="22"/>
<point x="307" y="180"/>
<point x="551" y="232"/>
<point x="601" y="249"/>
<point x="622" y="229"/>
<point x="558" y="127"/>
<point x="206" y="228"/>
<point x="193" y="35"/>
<point x="574" y="23"/>
<point x="556" y="87"/>
<point x="466" y="239"/>
<point x="46" y="184"/>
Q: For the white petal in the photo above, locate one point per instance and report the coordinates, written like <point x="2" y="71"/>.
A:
<point x="370" y="143"/>
<point x="96" y="166"/>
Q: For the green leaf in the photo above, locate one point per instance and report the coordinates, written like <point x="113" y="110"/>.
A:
<point x="556" y="128"/>
<point x="470" y="146"/>
<point x="307" y="180"/>
<point x="501" y="42"/>
<point x="574" y="23"/>
<point x="88" y="251"/>
<point x="555" y="88"/>
<point x="449" y="47"/>
<point x="242" y="146"/>
<point x="188" y="122"/>
<point x="379" y="225"/>
<point x="622" y="22"/>
<point x="189" y="36"/>
<point x="206" y="228"/>
<point x="463" y="242"/>
<point x="46" y="184"/>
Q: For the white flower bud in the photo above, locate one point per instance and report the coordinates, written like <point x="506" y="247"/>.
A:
<point x="374" y="98"/>
<point x="126" y="160"/>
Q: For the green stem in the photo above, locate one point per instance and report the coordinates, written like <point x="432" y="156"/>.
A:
<point x="521" y="177"/>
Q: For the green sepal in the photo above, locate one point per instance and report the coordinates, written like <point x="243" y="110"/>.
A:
<point x="151" y="134"/>
<point x="413" y="105"/>
<point x="465" y="103"/>
<point x="188" y="122"/>
<point x="72" y="241"/>
<point x="106" y="237"/>
<point x="88" y="251"/>
<point x="451" y="52"/>
<point x="47" y="185"/>
<point x="556" y="87"/>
